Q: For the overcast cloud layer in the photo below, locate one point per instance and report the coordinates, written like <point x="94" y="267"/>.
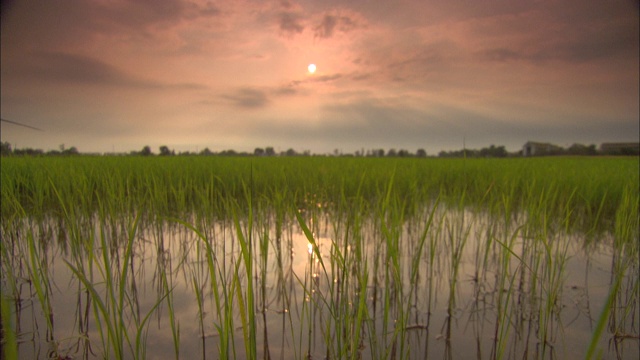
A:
<point x="118" y="75"/>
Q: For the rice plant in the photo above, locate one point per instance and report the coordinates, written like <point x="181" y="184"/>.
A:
<point x="207" y="257"/>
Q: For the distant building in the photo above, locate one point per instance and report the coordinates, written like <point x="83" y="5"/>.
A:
<point x="532" y="148"/>
<point x="629" y="148"/>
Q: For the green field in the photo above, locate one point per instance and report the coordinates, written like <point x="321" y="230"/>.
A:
<point x="256" y="257"/>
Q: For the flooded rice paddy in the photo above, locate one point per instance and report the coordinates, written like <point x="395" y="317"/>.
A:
<point x="211" y="258"/>
<point x="447" y="284"/>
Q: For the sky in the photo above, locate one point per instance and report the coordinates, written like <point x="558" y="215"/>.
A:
<point x="116" y="75"/>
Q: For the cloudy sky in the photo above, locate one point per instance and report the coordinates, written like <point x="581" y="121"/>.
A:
<point x="115" y="75"/>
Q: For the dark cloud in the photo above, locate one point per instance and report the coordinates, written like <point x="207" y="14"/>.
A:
<point x="317" y="79"/>
<point x="500" y="54"/>
<point x="66" y="68"/>
<point x="326" y="78"/>
<point x="290" y="23"/>
<point x="286" y="90"/>
<point x="417" y="62"/>
<point x="330" y="23"/>
<point x="286" y="4"/>
<point x="577" y="48"/>
<point x="70" y="68"/>
<point x="594" y="45"/>
<point x="325" y="29"/>
<point x="248" y="98"/>
<point x="577" y="32"/>
<point x="154" y="13"/>
<point x="423" y="55"/>
<point x="53" y="25"/>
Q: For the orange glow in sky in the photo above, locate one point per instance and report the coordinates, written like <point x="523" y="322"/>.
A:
<point x="119" y="75"/>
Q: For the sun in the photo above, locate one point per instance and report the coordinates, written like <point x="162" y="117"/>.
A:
<point x="311" y="68"/>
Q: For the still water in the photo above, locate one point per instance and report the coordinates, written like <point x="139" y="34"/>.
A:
<point x="444" y="284"/>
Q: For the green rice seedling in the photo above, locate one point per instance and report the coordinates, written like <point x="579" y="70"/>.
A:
<point x="110" y="311"/>
<point x="8" y="338"/>
<point x="263" y="257"/>
<point x="393" y="218"/>
<point x="199" y="281"/>
<point x="282" y="255"/>
<point x="314" y="248"/>
<point x="602" y="321"/>
<point x="39" y="279"/>
<point x="361" y="315"/>
<point x="308" y="284"/>
<point x="200" y="299"/>
<point x="221" y="293"/>
<point x="505" y="290"/>
<point x="621" y="307"/>
<point x="247" y="311"/>
<point x="431" y="278"/>
<point x="555" y="260"/>
<point x="11" y="256"/>
<point x="457" y="236"/>
<point x="348" y="290"/>
<point x="135" y="177"/>
<point x="175" y="325"/>
<point x="382" y="273"/>
<point x="415" y="266"/>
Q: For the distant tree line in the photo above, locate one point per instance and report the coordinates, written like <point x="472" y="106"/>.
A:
<point x="615" y="149"/>
<point x="492" y="151"/>
<point x="6" y="150"/>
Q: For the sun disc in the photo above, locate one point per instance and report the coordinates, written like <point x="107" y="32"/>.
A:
<point x="312" y="68"/>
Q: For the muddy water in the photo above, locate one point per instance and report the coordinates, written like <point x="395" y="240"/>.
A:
<point x="472" y="289"/>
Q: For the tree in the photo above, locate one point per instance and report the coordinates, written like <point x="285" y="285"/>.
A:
<point x="269" y="151"/>
<point x="146" y="151"/>
<point x="164" y="151"/>
<point x="258" y="152"/>
<point x="28" y="152"/>
<point x="421" y="153"/>
<point x="580" y="149"/>
<point x="71" y="151"/>
<point x="5" y="148"/>
<point x="493" y="151"/>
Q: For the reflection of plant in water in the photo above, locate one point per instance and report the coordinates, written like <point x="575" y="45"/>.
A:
<point x="386" y="262"/>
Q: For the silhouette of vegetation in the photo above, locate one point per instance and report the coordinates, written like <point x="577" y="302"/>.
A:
<point x="146" y="151"/>
<point x="580" y="149"/>
<point x="165" y="151"/>
<point x="5" y="148"/>
<point x="492" y="151"/>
